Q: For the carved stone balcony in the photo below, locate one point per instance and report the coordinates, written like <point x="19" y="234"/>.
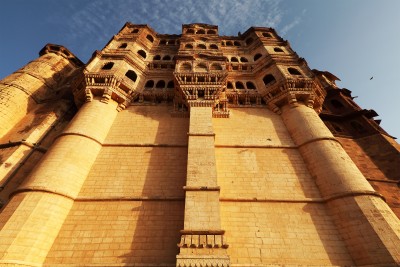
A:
<point x="306" y="90"/>
<point x="109" y="86"/>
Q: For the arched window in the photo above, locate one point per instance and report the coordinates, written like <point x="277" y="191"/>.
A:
<point x="267" y="34"/>
<point x="157" y="57"/>
<point x="222" y="43"/>
<point x="131" y="75"/>
<point x="250" y="85"/>
<point x="229" y="43"/>
<point x="201" y="67"/>
<point x="268" y="79"/>
<point x="190" y="31"/>
<point x="122" y="46"/>
<point x="278" y="50"/>
<point x="200" y="32"/>
<point x="249" y="41"/>
<point x="236" y="43"/>
<point x="135" y="31"/>
<point x="166" y="57"/>
<point x="257" y="56"/>
<point x="336" y="103"/>
<point x="336" y="127"/>
<point x="357" y="126"/>
<point x="213" y="46"/>
<point x="189" y="46"/>
<point x="185" y="67"/>
<point x="108" y="66"/>
<point x="142" y="53"/>
<point x="150" y="38"/>
<point x="243" y="59"/>
<point x="163" y="42"/>
<point x="239" y="85"/>
<point x="201" y="46"/>
<point x="149" y="84"/>
<point x="294" y="71"/>
<point x="160" y="84"/>
<point x="211" y="32"/>
<point x="170" y="84"/>
<point x="229" y="85"/>
<point x="234" y="59"/>
<point x="215" y="66"/>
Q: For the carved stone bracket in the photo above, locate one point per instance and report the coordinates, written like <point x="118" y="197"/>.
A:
<point x="203" y="239"/>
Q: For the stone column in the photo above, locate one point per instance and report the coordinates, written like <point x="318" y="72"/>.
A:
<point x="368" y="226"/>
<point x="32" y="219"/>
<point x="202" y="241"/>
<point x="21" y="91"/>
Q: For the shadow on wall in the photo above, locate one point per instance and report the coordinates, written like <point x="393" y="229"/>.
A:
<point x="162" y="160"/>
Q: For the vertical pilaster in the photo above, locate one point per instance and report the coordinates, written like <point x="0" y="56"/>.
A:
<point x="202" y="241"/>
<point x="40" y="206"/>
<point x="367" y="225"/>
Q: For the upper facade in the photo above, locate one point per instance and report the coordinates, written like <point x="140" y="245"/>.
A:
<point x="200" y="67"/>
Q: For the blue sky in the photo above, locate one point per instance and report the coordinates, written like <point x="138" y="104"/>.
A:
<point x="353" y="39"/>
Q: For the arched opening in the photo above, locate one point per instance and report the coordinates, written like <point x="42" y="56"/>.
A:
<point x="213" y="46"/>
<point x="249" y="41"/>
<point x="201" y="46"/>
<point x="215" y="66"/>
<point x="171" y="42"/>
<point x="166" y="57"/>
<point x="160" y="84"/>
<point x="201" y="67"/>
<point x="250" y="85"/>
<point x="357" y="126"/>
<point x="189" y="46"/>
<point x="149" y="84"/>
<point x="336" y="104"/>
<point x="294" y="71"/>
<point x="170" y="84"/>
<point x="278" y="50"/>
<point x="236" y="43"/>
<point x="229" y="85"/>
<point x="150" y="38"/>
<point x="157" y="57"/>
<point x="268" y="79"/>
<point x="267" y="34"/>
<point x="163" y="42"/>
<point x="234" y="59"/>
<point x="142" y="53"/>
<point x="201" y="32"/>
<point x="257" y="56"/>
<point x="123" y="45"/>
<point x="211" y="32"/>
<point x="190" y="31"/>
<point x="131" y="75"/>
<point x="135" y="31"/>
<point x="229" y="43"/>
<point x="243" y="59"/>
<point x="185" y="67"/>
<point x="239" y="85"/>
<point x="337" y="128"/>
<point x="108" y="66"/>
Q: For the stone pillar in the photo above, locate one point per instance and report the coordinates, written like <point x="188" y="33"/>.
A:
<point x="32" y="219"/>
<point x="21" y="91"/>
<point x="202" y="241"/>
<point x="367" y="225"/>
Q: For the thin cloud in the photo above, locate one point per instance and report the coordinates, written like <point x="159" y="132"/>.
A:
<point x="93" y="23"/>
